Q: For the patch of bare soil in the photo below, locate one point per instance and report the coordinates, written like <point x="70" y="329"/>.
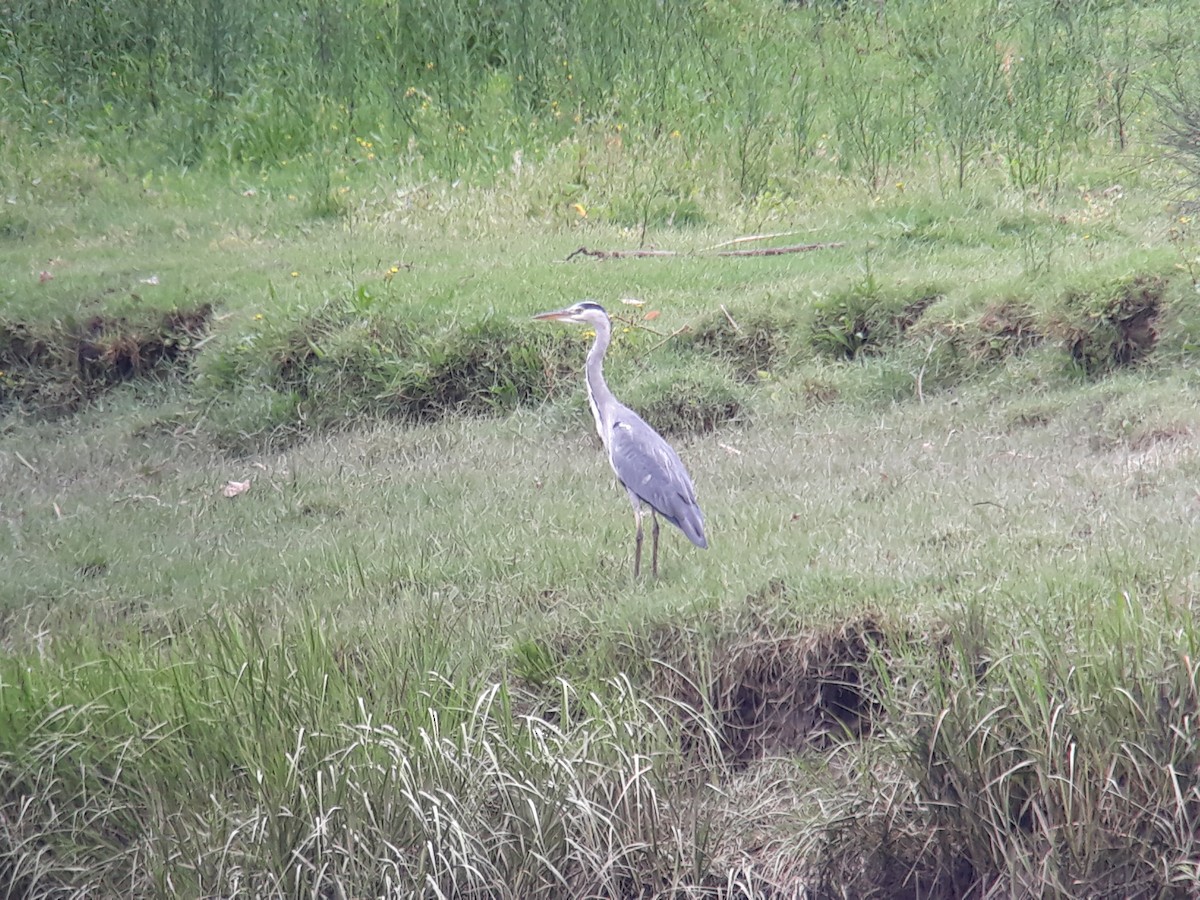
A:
<point x="111" y="350"/>
<point x="912" y="312"/>
<point x="1122" y="335"/>
<point x="1007" y="329"/>
<point x="779" y="694"/>
<point x="55" y="369"/>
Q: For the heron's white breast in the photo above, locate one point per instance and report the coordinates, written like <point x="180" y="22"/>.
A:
<point x="607" y="435"/>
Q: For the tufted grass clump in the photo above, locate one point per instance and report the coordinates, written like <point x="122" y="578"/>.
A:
<point x="1054" y="759"/>
<point x="291" y="780"/>
<point x="1114" y="324"/>
<point x="866" y="318"/>
<point x="60" y="366"/>
<point x="683" y="397"/>
<point x="755" y="342"/>
<point x="355" y="358"/>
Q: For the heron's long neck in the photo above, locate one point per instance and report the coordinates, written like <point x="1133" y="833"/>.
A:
<point x="600" y="398"/>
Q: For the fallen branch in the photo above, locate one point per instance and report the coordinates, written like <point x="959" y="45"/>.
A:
<point x="779" y="251"/>
<point x="618" y="254"/>
<point x="761" y="251"/>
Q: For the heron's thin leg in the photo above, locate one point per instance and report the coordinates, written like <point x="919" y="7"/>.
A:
<point x="654" y="543"/>
<point x="636" y="502"/>
<point x="637" y="549"/>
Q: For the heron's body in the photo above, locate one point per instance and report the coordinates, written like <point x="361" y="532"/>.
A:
<point x="645" y="464"/>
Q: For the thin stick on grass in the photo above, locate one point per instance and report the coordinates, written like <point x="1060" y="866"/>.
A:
<point x="26" y="463"/>
<point x="618" y="254"/>
<point x="730" y="318"/>
<point x="687" y="326"/>
<point x="921" y="372"/>
<point x="749" y="238"/>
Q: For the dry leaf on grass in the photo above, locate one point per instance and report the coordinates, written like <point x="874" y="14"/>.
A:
<point x="234" y="488"/>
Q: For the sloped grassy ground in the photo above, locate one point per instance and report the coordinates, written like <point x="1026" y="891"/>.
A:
<point x="416" y="303"/>
<point x="943" y="643"/>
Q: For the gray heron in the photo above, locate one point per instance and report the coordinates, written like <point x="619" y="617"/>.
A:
<point x="646" y="465"/>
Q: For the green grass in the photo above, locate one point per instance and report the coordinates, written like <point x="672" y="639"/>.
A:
<point x="943" y="642"/>
<point x="902" y="458"/>
<point x="363" y="563"/>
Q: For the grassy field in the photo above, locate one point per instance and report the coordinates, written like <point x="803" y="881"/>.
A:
<point x="943" y="643"/>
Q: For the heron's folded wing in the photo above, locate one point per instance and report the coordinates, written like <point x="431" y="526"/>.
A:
<point x="648" y="466"/>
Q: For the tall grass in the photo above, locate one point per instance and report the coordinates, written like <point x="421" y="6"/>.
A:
<point x="1045" y="759"/>
<point x="238" y="764"/>
<point x="459" y="88"/>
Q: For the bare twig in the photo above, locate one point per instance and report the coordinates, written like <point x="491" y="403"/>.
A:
<point x="750" y="237"/>
<point x="730" y="318"/>
<point x="26" y="463"/>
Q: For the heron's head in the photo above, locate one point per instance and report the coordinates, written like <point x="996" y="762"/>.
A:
<point x="586" y="312"/>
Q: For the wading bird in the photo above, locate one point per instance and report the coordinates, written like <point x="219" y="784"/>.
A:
<point x="646" y="465"/>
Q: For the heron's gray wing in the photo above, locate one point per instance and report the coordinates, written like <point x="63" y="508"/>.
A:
<point x="649" y="467"/>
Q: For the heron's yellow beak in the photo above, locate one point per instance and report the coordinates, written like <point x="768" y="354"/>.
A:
<point x="556" y="314"/>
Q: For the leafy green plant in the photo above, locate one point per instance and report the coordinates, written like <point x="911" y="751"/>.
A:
<point x="954" y="46"/>
<point x="871" y="110"/>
